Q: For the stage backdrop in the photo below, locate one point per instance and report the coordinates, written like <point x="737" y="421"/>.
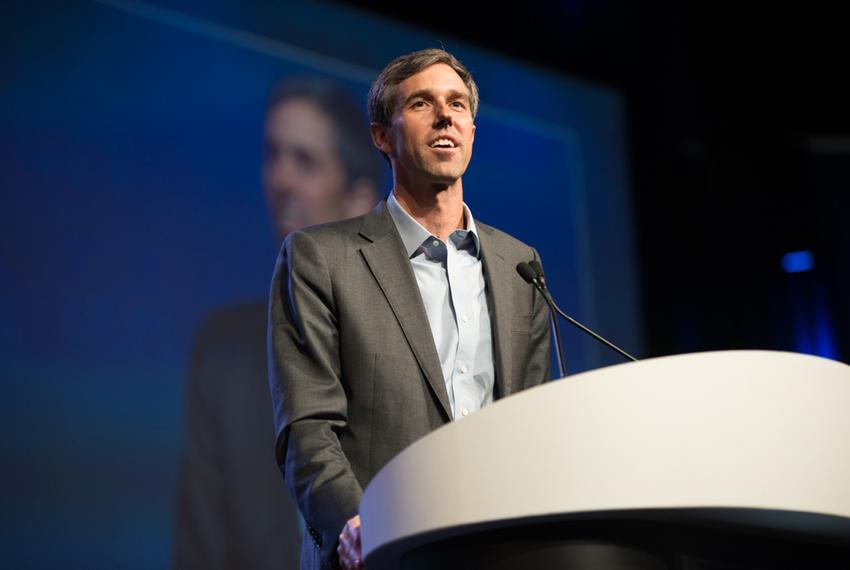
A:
<point x="130" y="153"/>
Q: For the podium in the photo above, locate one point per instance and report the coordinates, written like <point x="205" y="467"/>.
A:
<point x="727" y="459"/>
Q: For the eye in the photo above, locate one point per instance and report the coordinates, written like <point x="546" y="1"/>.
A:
<point x="307" y="161"/>
<point x="418" y="103"/>
<point x="459" y="104"/>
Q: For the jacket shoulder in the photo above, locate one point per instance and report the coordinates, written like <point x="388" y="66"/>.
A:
<point x="329" y="242"/>
<point x="334" y="233"/>
<point x="508" y="245"/>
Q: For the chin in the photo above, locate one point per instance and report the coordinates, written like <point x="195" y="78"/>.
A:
<point x="442" y="180"/>
<point x="447" y="176"/>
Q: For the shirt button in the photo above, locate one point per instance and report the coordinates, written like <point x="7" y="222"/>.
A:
<point x="463" y="369"/>
<point x="465" y="319"/>
<point x="464" y="412"/>
<point x="435" y="242"/>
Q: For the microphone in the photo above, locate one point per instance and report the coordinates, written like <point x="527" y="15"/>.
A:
<point x="535" y="265"/>
<point x="527" y="272"/>
<point x="532" y="273"/>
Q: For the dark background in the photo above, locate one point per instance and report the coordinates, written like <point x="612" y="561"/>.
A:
<point x="129" y="161"/>
<point x="739" y="140"/>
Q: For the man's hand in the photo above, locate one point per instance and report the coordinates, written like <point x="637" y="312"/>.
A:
<point x="349" y="545"/>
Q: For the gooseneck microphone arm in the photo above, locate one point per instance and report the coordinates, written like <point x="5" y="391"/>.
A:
<point x="533" y="274"/>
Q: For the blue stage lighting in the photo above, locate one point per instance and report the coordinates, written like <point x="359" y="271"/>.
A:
<point x="797" y="261"/>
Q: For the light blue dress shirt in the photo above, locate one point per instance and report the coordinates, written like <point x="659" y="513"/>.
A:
<point x="451" y="282"/>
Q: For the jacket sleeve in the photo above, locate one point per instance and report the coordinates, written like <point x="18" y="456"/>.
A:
<point x="309" y="402"/>
<point x="539" y="361"/>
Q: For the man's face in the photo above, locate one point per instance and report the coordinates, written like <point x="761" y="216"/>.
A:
<point x="430" y="105"/>
<point x="303" y="175"/>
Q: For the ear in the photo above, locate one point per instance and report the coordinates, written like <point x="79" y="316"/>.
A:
<point x="361" y="197"/>
<point x="473" y="133"/>
<point x="380" y="137"/>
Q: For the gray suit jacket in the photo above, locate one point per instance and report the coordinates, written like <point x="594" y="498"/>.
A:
<point x="353" y="370"/>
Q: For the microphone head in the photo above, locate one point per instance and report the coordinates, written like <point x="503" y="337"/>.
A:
<point x="538" y="269"/>
<point x="526" y="271"/>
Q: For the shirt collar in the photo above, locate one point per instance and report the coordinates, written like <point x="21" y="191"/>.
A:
<point x="413" y="234"/>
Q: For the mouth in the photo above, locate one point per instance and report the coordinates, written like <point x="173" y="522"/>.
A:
<point x="441" y="150"/>
<point x="443" y="144"/>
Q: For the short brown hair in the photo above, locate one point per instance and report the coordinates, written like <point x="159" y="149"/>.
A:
<point x="382" y="94"/>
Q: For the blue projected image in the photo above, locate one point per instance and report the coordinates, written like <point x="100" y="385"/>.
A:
<point x="132" y="169"/>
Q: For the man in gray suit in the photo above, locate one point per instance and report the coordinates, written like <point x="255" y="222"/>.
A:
<point x="387" y="326"/>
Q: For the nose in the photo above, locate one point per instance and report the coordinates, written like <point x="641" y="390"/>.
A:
<point x="443" y="116"/>
<point x="281" y="174"/>
<point x="281" y="180"/>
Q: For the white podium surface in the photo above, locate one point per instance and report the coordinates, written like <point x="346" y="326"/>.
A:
<point x="759" y="437"/>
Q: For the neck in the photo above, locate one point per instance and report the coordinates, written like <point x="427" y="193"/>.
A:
<point x="438" y="207"/>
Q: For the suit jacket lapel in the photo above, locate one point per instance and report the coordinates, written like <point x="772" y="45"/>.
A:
<point x="499" y="277"/>
<point x="388" y="262"/>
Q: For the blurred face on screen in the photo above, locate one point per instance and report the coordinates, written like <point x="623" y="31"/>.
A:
<point x="304" y="179"/>
<point x="430" y="138"/>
